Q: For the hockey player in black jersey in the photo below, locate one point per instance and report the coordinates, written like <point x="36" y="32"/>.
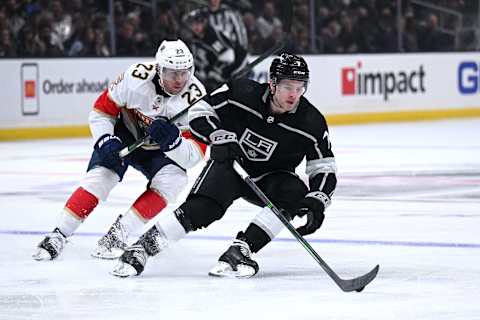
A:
<point x="217" y="58"/>
<point x="269" y="128"/>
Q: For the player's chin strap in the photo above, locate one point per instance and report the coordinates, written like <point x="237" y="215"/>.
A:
<point x="249" y="67"/>
<point x="356" y="284"/>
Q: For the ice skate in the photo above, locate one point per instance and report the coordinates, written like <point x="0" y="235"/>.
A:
<point x="51" y="246"/>
<point x="235" y="262"/>
<point x="132" y="262"/>
<point x="113" y="243"/>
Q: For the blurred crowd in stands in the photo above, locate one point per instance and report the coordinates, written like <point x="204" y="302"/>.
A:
<point x="83" y="28"/>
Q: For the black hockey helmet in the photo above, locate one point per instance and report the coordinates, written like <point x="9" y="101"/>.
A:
<point x="289" y="66"/>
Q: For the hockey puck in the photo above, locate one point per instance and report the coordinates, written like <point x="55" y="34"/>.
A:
<point x="360" y="289"/>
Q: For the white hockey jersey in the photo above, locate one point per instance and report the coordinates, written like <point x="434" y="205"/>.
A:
<point x="139" y="97"/>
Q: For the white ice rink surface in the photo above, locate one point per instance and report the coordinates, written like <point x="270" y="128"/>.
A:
<point x="408" y="199"/>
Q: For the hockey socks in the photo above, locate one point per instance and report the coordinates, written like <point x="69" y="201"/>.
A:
<point x="149" y="204"/>
<point x="80" y="204"/>
<point x="256" y="237"/>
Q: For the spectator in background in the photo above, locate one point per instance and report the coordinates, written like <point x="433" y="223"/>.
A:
<point x="330" y="36"/>
<point x="140" y="37"/>
<point x="100" y="48"/>
<point x="76" y="42"/>
<point x="47" y="42"/>
<point x="90" y="43"/>
<point x="268" y="21"/>
<point x="365" y="38"/>
<point x="430" y="38"/>
<point x="410" y="38"/>
<point x="165" y="26"/>
<point x="322" y="17"/>
<point x="27" y="46"/>
<point x="7" y="48"/>
<point x="301" y="27"/>
<point x="16" y="19"/>
<point x="253" y="35"/>
<point x="302" y="41"/>
<point x="3" y="20"/>
<point x="341" y="26"/>
<point x="386" y="40"/>
<point x="348" y="35"/>
<point x="61" y="23"/>
<point x="126" y="46"/>
<point x="227" y="21"/>
<point x="83" y="43"/>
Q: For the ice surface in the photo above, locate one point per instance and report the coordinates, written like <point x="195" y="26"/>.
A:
<point x="408" y="199"/>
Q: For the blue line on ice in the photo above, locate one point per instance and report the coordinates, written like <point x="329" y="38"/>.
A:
<point x="341" y="241"/>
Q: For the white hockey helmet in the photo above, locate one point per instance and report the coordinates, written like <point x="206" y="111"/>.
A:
<point x="173" y="57"/>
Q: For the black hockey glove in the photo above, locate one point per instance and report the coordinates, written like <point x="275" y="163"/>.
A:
<point x="166" y="134"/>
<point x="313" y="205"/>
<point x="107" y="147"/>
<point x="225" y="146"/>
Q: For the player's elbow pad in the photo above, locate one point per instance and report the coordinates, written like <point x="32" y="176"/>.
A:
<point x="187" y="154"/>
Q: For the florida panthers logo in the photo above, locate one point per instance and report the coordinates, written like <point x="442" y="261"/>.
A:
<point x="256" y="147"/>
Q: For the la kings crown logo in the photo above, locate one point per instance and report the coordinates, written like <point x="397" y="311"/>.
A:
<point x="256" y="147"/>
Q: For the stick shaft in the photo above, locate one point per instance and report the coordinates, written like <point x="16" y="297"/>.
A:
<point x="345" y="285"/>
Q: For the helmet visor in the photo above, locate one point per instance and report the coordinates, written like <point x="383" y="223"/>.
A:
<point x="297" y="87"/>
<point x="181" y="75"/>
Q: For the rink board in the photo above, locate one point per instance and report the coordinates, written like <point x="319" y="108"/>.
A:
<point x="45" y="98"/>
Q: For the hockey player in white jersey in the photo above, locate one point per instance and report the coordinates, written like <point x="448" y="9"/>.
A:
<point x="137" y="103"/>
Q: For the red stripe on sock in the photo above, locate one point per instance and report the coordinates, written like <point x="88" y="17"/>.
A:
<point x="149" y="204"/>
<point x="81" y="203"/>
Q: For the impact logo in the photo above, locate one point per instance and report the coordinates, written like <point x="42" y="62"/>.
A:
<point x="355" y="81"/>
<point x="468" y="77"/>
<point x="256" y="147"/>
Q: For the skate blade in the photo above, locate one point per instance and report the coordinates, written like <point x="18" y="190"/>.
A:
<point x="41" y="255"/>
<point x="123" y="270"/>
<point x="223" y="269"/>
<point x="107" y="254"/>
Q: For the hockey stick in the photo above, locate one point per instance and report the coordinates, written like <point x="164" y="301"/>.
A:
<point x="140" y="142"/>
<point x="357" y="284"/>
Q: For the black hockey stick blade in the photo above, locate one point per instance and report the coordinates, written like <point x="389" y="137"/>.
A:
<point x="359" y="283"/>
<point x="140" y="142"/>
<point x="347" y="285"/>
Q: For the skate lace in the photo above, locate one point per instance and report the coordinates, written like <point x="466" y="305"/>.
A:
<point x="56" y="241"/>
<point x="139" y="253"/>
<point x="243" y="246"/>
<point x="154" y="241"/>
<point x="115" y="237"/>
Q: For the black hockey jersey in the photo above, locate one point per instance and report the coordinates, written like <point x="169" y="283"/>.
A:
<point x="269" y="142"/>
